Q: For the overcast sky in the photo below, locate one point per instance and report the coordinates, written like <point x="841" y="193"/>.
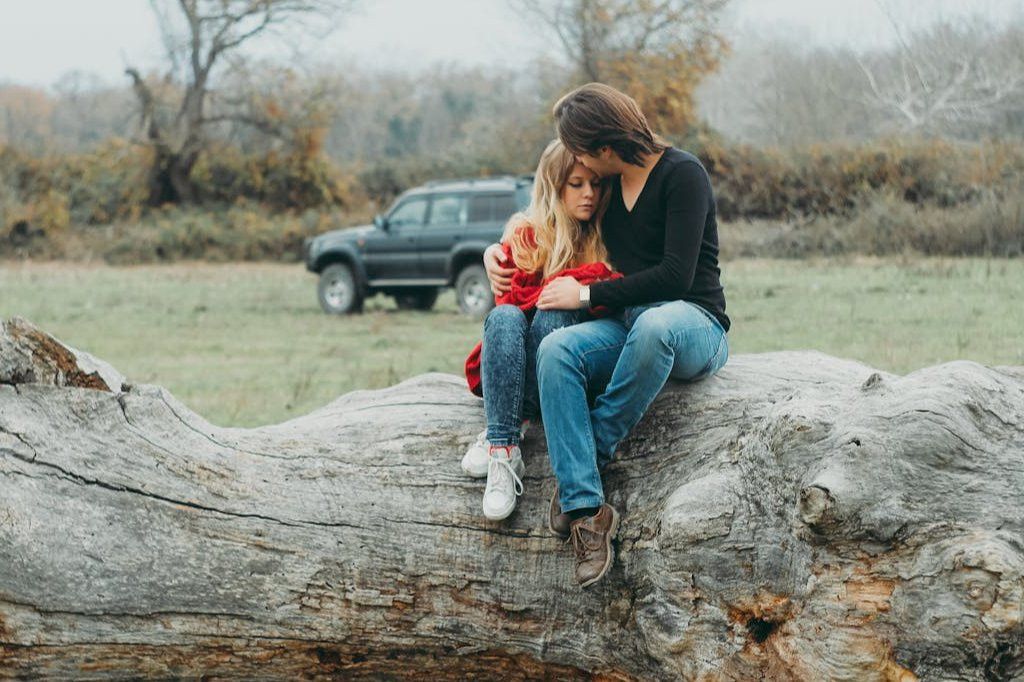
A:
<point x="40" y="40"/>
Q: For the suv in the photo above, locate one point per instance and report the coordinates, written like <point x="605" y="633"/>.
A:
<point x="433" y="236"/>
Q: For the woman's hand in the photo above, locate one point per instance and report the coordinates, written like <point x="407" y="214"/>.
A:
<point x="499" y="276"/>
<point x="561" y="293"/>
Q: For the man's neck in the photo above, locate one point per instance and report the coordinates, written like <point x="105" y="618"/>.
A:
<point x="631" y="173"/>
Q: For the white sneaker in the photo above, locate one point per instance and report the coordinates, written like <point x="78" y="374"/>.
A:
<point x="476" y="459"/>
<point x="504" y="481"/>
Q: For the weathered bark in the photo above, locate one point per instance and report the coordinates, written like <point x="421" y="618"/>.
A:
<point x="795" y="517"/>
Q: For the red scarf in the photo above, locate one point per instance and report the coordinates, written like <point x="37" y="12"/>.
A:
<point x="524" y="292"/>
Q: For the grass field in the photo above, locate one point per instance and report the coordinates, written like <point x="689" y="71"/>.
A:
<point x="246" y="344"/>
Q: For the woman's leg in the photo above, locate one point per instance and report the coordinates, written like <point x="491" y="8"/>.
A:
<point x="543" y="323"/>
<point x="502" y="373"/>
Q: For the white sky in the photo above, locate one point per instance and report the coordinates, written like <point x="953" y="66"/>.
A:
<point x="40" y="40"/>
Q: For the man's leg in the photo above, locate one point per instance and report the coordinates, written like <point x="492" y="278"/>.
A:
<point x="567" y="360"/>
<point x="676" y="339"/>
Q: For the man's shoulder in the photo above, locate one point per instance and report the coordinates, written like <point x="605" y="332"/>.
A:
<point x="682" y="160"/>
<point x="684" y="169"/>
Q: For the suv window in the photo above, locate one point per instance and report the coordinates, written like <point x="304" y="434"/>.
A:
<point x="491" y="207"/>
<point x="448" y="210"/>
<point x="409" y="212"/>
<point x="523" y="196"/>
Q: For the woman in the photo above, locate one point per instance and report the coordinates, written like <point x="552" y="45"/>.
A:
<point x="559" y="234"/>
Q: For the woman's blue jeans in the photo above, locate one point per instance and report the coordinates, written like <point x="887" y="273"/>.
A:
<point x="624" y="360"/>
<point x="508" y="366"/>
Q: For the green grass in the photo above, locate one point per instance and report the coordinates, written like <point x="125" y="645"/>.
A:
<point x="246" y="344"/>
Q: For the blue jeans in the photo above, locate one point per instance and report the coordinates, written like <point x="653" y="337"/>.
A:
<point x="508" y="366"/>
<point x="624" y="360"/>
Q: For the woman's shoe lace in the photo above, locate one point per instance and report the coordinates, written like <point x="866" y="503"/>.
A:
<point x="499" y="470"/>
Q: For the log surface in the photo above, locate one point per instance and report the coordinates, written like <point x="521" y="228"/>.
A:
<point x="795" y="517"/>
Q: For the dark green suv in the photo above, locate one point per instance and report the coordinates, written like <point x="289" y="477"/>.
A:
<point x="433" y="236"/>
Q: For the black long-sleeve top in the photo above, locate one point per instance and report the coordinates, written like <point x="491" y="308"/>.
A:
<point x="667" y="246"/>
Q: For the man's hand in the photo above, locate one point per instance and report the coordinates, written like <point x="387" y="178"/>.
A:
<point x="499" y="276"/>
<point x="561" y="293"/>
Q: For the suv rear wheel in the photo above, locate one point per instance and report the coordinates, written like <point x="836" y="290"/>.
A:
<point x="473" y="291"/>
<point x="338" y="291"/>
<point x="417" y="299"/>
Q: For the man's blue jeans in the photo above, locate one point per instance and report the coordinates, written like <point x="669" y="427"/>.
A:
<point x="507" y="366"/>
<point x="624" y="360"/>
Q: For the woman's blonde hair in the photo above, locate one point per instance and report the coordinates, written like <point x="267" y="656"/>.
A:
<point x="562" y="241"/>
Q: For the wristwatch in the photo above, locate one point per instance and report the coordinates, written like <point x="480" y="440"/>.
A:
<point x="585" y="296"/>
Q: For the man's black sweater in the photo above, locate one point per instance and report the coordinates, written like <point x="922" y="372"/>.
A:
<point x="667" y="246"/>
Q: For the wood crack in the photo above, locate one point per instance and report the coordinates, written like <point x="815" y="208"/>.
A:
<point x="70" y="475"/>
<point x="126" y="614"/>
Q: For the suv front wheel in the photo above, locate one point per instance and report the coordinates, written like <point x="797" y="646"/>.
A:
<point x="473" y="291"/>
<point x="338" y="291"/>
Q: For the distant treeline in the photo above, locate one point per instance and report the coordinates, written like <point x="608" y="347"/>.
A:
<point x="840" y="152"/>
<point x="957" y="81"/>
<point x="965" y="196"/>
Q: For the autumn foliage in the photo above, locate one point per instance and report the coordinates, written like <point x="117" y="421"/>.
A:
<point x="926" y="195"/>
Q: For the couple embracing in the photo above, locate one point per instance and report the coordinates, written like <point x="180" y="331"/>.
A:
<point x="606" y="286"/>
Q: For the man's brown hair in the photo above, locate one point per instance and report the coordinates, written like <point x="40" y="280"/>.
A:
<point x="597" y="115"/>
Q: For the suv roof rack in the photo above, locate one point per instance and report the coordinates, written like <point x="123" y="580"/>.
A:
<point x="469" y="181"/>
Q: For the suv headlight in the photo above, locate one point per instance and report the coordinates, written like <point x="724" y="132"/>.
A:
<point x="310" y="247"/>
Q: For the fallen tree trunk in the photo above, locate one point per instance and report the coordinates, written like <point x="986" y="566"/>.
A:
<point x="795" y="517"/>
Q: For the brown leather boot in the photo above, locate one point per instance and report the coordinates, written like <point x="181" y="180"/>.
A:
<point x="558" y="523"/>
<point x="592" y="542"/>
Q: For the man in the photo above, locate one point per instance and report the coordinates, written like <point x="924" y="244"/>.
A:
<point x="661" y="233"/>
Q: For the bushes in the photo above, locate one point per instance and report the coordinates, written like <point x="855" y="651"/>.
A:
<point x="254" y="207"/>
<point x="385" y="180"/>
<point x="109" y="183"/>
<point x="988" y="225"/>
<point x="95" y="188"/>
<point x="768" y="183"/>
<point x="924" y="196"/>
<point x="242" y="232"/>
<point x="281" y="182"/>
<point x="884" y="224"/>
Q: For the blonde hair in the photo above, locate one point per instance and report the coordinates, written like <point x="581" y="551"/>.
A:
<point x="561" y="241"/>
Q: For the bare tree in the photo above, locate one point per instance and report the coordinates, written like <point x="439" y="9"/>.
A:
<point x="959" y="80"/>
<point x="773" y="92"/>
<point x="593" y="33"/>
<point x="25" y="117"/>
<point x="88" y="111"/>
<point x="949" y="75"/>
<point x="657" y="50"/>
<point x="200" y="36"/>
